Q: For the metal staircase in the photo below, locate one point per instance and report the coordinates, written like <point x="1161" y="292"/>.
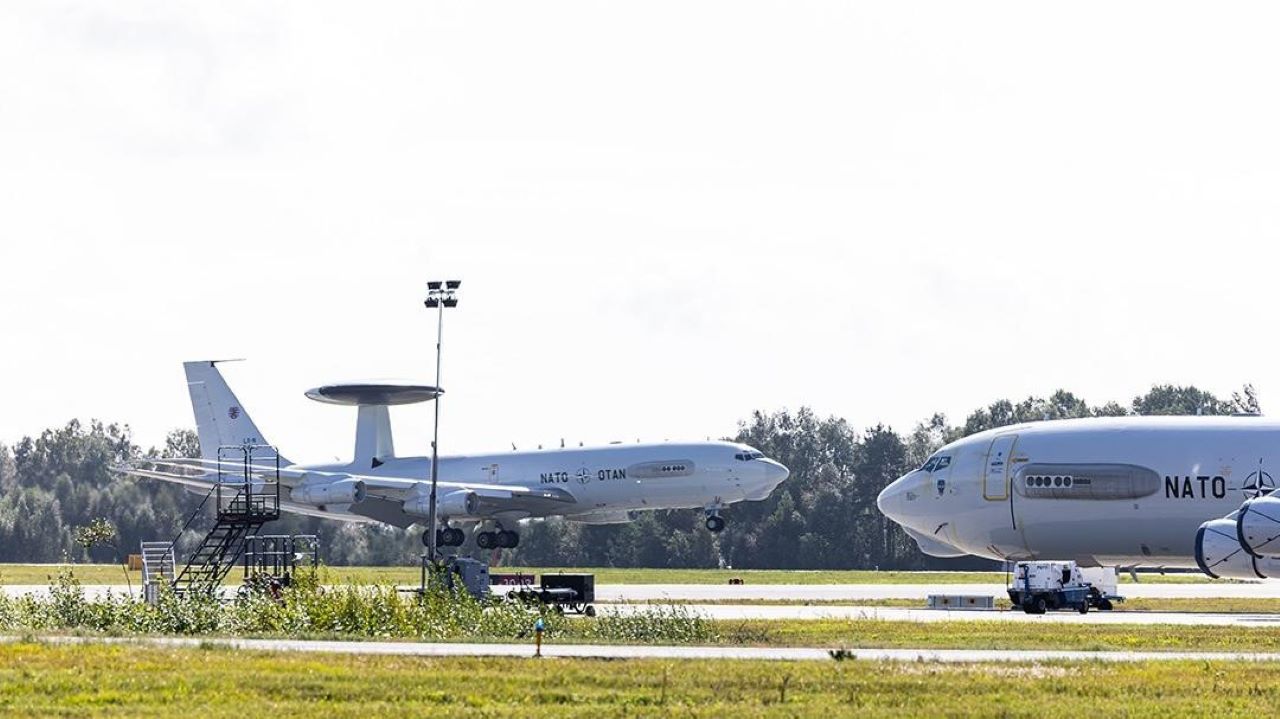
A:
<point x="246" y="495"/>
<point x="157" y="568"/>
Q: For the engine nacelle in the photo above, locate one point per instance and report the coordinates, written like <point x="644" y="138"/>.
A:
<point x="320" y="492"/>
<point x="1219" y="554"/>
<point x="1258" y="526"/>
<point x="458" y="503"/>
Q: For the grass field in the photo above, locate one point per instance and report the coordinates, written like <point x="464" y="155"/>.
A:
<point x="40" y="680"/>
<point x="878" y="633"/>
<point x="111" y="574"/>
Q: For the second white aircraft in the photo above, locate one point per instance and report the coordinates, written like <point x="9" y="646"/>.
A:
<point x="1129" y="492"/>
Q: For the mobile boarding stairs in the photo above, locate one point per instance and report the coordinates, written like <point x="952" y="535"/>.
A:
<point x="246" y="496"/>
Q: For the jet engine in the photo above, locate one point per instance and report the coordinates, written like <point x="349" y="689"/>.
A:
<point x="1219" y="554"/>
<point x="320" y="492"/>
<point x="1258" y="526"/>
<point x="458" y="503"/>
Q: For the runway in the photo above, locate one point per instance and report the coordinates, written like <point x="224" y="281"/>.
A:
<point x="590" y="651"/>
<point x="800" y="593"/>
<point x="856" y="592"/>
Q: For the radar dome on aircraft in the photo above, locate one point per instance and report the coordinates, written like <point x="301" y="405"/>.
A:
<point x="374" y="444"/>
<point x="383" y="392"/>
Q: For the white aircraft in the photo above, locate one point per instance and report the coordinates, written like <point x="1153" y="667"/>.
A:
<point x="595" y="485"/>
<point x="1127" y="492"/>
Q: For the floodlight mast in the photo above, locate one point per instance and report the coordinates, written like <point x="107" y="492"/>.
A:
<point x="439" y="296"/>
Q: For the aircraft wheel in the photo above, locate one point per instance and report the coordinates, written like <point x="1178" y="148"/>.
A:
<point x="486" y="540"/>
<point x="508" y="539"/>
<point x="454" y="537"/>
<point x="715" y="524"/>
<point x="426" y="538"/>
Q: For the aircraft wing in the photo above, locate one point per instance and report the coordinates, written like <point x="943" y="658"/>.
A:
<point x="385" y="496"/>
<point x="201" y="481"/>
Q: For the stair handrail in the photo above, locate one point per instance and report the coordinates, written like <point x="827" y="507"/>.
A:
<point x="174" y="544"/>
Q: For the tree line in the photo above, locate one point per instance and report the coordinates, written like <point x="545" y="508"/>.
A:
<point x="823" y="517"/>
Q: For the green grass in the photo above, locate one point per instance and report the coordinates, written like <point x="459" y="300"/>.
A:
<point x="39" y="680"/>
<point x="112" y="574"/>
<point x="878" y="633"/>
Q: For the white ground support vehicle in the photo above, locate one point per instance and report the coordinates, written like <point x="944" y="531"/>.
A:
<point x="1041" y="586"/>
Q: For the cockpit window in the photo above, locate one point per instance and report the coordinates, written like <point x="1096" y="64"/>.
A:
<point x="748" y="456"/>
<point x="936" y="463"/>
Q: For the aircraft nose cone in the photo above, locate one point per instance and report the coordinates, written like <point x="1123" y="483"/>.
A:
<point x="775" y="472"/>
<point x="891" y="500"/>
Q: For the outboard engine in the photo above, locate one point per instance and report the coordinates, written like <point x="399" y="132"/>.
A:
<point x="1220" y="554"/>
<point x="1258" y="526"/>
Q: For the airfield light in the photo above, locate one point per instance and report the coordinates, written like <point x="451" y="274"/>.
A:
<point x="439" y="296"/>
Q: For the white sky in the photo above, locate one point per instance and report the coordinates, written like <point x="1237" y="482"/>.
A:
<point x="665" y="214"/>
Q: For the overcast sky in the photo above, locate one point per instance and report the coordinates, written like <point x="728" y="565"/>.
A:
<point x="665" y="214"/>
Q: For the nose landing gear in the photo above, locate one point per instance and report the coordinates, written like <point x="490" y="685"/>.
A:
<point x="715" y="523"/>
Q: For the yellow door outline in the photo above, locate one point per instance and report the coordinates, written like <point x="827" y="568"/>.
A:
<point x="1002" y="445"/>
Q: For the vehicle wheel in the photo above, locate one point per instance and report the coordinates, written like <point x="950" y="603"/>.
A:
<point x="486" y="540"/>
<point x="1105" y="605"/>
<point x="715" y="524"/>
<point x="1041" y="605"/>
<point x="590" y="611"/>
<point x="1083" y="608"/>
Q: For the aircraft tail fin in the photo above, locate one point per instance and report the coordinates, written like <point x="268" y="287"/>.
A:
<point x="220" y="418"/>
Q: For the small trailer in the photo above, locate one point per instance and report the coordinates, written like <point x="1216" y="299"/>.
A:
<point x="1041" y="586"/>
<point x="574" y="592"/>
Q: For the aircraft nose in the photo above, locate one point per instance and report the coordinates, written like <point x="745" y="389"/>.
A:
<point x="892" y="500"/>
<point x="775" y="472"/>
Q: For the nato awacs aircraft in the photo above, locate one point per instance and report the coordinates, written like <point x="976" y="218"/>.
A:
<point x="1125" y="492"/>
<point x="488" y="492"/>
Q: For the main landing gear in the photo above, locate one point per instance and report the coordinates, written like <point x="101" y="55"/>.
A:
<point x="501" y="539"/>
<point x="446" y="537"/>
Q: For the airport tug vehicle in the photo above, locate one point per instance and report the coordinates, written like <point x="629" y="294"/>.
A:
<point x="1041" y="586"/>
